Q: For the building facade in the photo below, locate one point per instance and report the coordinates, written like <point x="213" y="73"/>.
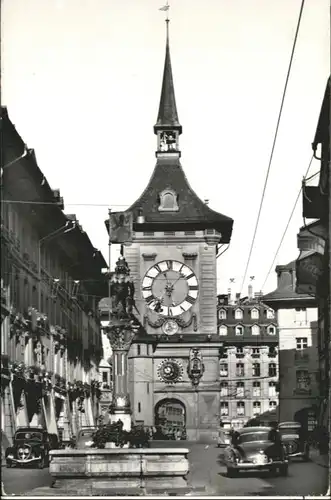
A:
<point x="248" y="360"/>
<point x="106" y="364"/>
<point x="297" y="317"/>
<point x="314" y="262"/>
<point x="51" y="283"/>
<point x="172" y="260"/>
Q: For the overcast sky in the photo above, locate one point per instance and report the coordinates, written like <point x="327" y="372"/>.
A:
<point x="82" y="81"/>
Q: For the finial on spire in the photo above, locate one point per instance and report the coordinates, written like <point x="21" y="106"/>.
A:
<point x="167" y="126"/>
<point x="166" y="8"/>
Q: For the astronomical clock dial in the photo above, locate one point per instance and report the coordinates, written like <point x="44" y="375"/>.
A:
<point x="170" y="288"/>
<point x="170" y="371"/>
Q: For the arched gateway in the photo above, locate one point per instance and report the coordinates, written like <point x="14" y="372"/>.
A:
<point x="170" y="418"/>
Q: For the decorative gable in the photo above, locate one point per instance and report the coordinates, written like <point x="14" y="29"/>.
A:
<point x="168" y="201"/>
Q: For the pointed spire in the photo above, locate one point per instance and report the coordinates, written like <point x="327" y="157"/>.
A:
<point x="167" y="117"/>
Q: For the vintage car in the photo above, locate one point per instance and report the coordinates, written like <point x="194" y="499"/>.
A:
<point x="85" y="437"/>
<point x="31" y="445"/>
<point x="255" y="448"/>
<point x="295" y="442"/>
<point x="223" y="438"/>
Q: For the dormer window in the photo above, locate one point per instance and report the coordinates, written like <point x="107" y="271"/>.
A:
<point x="255" y="330"/>
<point x="168" y="201"/>
<point x="271" y="330"/>
<point x="239" y="330"/>
<point x="238" y="314"/>
<point x="270" y="314"/>
<point x="255" y="313"/>
<point x="222" y="314"/>
<point x="222" y="330"/>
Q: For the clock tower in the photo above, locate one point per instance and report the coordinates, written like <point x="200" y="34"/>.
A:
<point x="174" y="365"/>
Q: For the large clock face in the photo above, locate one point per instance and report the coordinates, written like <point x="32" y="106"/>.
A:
<point x="170" y="288"/>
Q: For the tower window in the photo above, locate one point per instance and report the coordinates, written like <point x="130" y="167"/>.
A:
<point x="104" y="377"/>
<point x="168" y="141"/>
<point x="168" y="201"/>
<point x="139" y="407"/>
<point x="138" y="350"/>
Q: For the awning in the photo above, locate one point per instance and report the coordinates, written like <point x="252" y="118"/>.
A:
<point x="309" y="270"/>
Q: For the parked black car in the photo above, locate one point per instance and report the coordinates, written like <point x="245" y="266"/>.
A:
<point x="256" y="448"/>
<point x="31" y="445"/>
<point x="294" y="439"/>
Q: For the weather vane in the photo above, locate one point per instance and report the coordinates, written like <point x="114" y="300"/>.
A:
<point x="166" y="8"/>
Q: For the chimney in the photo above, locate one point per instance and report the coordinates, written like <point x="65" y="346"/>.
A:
<point x="237" y="298"/>
<point x="285" y="276"/>
<point x="229" y="295"/>
<point x="250" y="291"/>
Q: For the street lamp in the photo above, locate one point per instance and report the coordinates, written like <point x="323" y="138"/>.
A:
<point x="69" y="226"/>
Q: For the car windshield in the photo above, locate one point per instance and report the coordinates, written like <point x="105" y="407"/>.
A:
<point x="250" y="437"/>
<point x="289" y="432"/>
<point x="27" y="436"/>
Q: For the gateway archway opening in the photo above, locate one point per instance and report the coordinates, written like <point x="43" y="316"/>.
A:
<point x="170" y="419"/>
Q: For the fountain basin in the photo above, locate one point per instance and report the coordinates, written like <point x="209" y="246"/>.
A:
<point x="115" y="469"/>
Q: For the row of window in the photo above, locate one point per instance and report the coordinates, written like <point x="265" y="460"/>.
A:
<point x="241" y="408"/>
<point x="239" y="313"/>
<point x="255" y="351"/>
<point x="256" y="370"/>
<point x="238" y="391"/>
<point x="239" y="330"/>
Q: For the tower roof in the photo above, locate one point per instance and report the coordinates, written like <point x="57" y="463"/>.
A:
<point x="167" y="117"/>
<point x="192" y="213"/>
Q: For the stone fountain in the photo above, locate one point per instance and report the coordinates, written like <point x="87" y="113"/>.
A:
<point x="111" y="470"/>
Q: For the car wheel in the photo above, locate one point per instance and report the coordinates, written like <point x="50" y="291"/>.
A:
<point x="41" y="463"/>
<point x="283" y="469"/>
<point x="232" y="472"/>
<point x="273" y="471"/>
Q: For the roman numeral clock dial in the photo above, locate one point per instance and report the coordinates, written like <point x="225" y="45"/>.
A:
<point x="170" y="288"/>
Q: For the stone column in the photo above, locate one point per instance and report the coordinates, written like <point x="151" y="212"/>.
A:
<point x="120" y="337"/>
